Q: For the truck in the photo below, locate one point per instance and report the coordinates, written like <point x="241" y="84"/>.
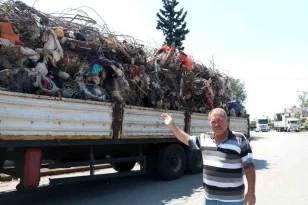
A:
<point x="262" y="124"/>
<point x="252" y="125"/>
<point x="286" y="123"/>
<point x="71" y="132"/>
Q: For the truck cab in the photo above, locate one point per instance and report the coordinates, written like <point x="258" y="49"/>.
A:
<point x="293" y="124"/>
<point x="262" y="124"/>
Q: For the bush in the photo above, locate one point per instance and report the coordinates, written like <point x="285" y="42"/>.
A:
<point x="306" y="125"/>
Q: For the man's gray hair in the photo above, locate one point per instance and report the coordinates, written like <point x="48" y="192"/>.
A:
<point x="223" y="112"/>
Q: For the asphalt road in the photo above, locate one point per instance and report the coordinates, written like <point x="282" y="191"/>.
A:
<point x="282" y="169"/>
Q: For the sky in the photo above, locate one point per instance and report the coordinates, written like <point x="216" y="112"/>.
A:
<point x="263" y="43"/>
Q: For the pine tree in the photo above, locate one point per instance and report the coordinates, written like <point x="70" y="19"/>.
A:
<point x="172" y="23"/>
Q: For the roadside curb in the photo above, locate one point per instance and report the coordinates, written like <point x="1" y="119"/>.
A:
<point x="50" y="172"/>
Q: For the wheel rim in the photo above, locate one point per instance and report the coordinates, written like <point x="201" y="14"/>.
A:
<point x="175" y="162"/>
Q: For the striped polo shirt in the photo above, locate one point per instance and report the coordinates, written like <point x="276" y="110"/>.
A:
<point x="223" y="165"/>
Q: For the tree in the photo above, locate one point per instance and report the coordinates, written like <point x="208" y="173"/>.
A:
<point x="239" y="90"/>
<point x="303" y="99"/>
<point x="172" y="23"/>
<point x="297" y="115"/>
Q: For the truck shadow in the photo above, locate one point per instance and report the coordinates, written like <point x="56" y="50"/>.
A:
<point x="128" y="190"/>
<point x="255" y="138"/>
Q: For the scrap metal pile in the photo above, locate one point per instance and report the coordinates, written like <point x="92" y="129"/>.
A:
<point x="74" y="56"/>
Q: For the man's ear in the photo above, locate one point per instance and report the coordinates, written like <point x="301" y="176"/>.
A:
<point x="228" y="119"/>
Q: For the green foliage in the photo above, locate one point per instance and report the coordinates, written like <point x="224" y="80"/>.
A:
<point x="303" y="99"/>
<point x="239" y="90"/>
<point x="6" y="5"/>
<point x="306" y="125"/>
<point x="297" y="115"/>
<point x="172" y="23"/>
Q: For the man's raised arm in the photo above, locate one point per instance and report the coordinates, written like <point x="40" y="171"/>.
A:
<point x="178" y="133"/>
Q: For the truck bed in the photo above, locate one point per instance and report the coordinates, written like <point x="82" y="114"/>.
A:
<point x="279" y="124"/>
<point x="200" y="124"/>
<point x="33" y="117"/>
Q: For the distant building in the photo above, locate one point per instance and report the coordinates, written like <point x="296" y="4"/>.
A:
<point x="293" y="111"/>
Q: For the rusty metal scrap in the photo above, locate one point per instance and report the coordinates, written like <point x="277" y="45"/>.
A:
<point x="86" y="61"/>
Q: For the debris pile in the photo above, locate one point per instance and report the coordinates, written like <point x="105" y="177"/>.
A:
<point x="74" y="56"/>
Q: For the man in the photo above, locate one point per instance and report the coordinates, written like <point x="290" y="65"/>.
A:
<point x="225" y="156"/>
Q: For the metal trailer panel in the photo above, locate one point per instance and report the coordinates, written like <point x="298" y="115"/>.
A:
<point x="239" y="124"/>
<point x="280" y="124"/>
<point x="32" y="117"/>
<point x="145" y="123"/>
<point x="200" y="124"/>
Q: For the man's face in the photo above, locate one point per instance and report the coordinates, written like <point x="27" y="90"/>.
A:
<point x="218" y="123"/>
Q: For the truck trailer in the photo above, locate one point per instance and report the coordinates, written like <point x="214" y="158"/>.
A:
<point x="286" y="123"/>
<point x="71" y="133"/>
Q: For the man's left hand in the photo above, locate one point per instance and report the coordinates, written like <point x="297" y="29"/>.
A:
<point x="250" y="199"/>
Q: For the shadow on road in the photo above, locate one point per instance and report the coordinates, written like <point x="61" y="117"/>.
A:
<point x="261" y="164"/>
<point x="140" y="190"/>
<point x="255" y="138"/>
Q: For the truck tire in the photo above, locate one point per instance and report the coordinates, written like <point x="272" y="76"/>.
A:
<point x="123" y="166"/>
<point x="151" y="164"/>
<point x="171" y="162"/>
<point x="2" y="157"/>
<point x="194" y="162"/>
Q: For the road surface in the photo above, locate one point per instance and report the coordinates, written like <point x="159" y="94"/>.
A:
<point x="282" y="169"/>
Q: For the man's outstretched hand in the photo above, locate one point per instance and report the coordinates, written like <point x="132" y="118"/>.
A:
<point x="167" y="119"/>
<point x="169" y="122"/>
